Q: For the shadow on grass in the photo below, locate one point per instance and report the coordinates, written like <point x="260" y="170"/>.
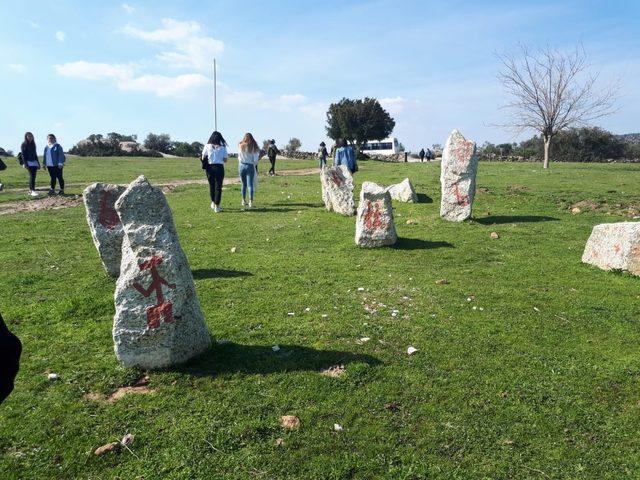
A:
<point x="424" y="198"/>
<point x="417" y="244"/>
<point x="502" y="219"/>
<point x="269" y="209"/>
<point x="310" y="205"/>
<point x="262" y="360"/>
<point x="203" y="273"/>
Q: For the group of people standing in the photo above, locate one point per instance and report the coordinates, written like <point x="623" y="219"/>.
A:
<point x="428" y="155"/>
<point x="53" y="159"/>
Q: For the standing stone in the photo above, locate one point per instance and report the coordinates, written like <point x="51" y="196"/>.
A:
<point x="458" y="177"/>
<point x="614" y="246"/>
<point x="158" y="320"/>
<point x="337" y="190"/>
<point x="104" y="223"/>
<point x="403" y="192"/>
<point x="374" y="225"/>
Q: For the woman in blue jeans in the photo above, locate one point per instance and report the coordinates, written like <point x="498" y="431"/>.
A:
<point x="30" y="161"/>
<point x="248" y="156"/>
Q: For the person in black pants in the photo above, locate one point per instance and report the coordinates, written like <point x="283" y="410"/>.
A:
<point x="10" y="350"/>
<point x="272" y="153"/>
<point x="214" y="156"/>
<point x="54" y="160"/>
<point x="30" y="161"/>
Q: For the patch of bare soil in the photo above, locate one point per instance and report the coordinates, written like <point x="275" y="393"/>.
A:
<point x="336" y="371"/>
<point x="141" y="386"/>
<point x="517" y="189"/>
<point x="631" y="210"/>
<point x="481" y="190"/>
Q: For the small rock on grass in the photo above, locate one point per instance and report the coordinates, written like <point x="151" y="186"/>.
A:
<point x="127" y="440"/>
<point x="411" y="221"/>
<point x="276" y="348"/>
<point x="495" y="235"/>
<point x="279" y="442"/>
<point x="290" y="421"/>
<point x="109" y="447"/>
<point x="442" y="281"/>
<point x="411" y="350"/>
<point x="53" y="377"/>
<point x="337" y="427"/>
<point x="234" y="249"/>
<point x="576" y="210"/>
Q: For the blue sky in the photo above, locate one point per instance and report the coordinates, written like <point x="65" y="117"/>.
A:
<point x="75" y="67"/>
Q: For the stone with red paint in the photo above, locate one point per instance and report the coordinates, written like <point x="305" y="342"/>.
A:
<point x="337" y="190"/>
<point x="104" y="223"/>
<point x="458" y="177"/>
<point x="374" y="225"/>
<point x="158" y="319"/>
<point x="614" y="246"/>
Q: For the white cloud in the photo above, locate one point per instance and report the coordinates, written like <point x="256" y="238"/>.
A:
<point x="293" y="99"/>
<point x="190" y="48"/>
<point x="393" y="105"/>
<point x="60" y="36"/>
<point x="17" y="67"/>
<point x="125" y="78"/>
<point x="128" y="8"/>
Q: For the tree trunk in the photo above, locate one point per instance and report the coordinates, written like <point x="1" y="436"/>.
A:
<point x="547" y="144"/>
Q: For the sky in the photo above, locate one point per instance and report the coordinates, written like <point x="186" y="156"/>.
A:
<point x="74" y="67"/>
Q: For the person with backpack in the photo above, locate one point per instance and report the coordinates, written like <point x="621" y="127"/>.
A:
<point x="54" y="161"/>
<point x="214" y="156"/>
<point x="272" y="153"/>
<point x="421" y="154"/>
<point x="322" y="155"/>
<point x="430" y="155"/>
<point x="29" y="157"/>
<point x="345" y="156"/>
<point x="10" y="350"/>
<point x="248" y="157"/>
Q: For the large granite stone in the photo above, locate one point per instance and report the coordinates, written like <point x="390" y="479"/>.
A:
<point x="158" y="319"/>
<point x="403" y="192"/>
<point x="458" y="177"/>
<point x="374" y="224"/>
<point x="104" y="223"/>
<point x="337" y="190"/>
<point x="614" y="246"/>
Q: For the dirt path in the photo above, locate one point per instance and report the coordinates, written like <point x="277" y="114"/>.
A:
<point x="56" y="203"/>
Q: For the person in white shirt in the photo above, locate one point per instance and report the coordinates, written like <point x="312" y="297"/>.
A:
<point x="248" y="157"/>
<point x="214" y="156"/>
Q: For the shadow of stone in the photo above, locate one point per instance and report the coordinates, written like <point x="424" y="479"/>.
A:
<point x="502" y="219"/>
<point x="417" y="244"/>
<point x="424" y="198"/>
<point x="203" y="273"/>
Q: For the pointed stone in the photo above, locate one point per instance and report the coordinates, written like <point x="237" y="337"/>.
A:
<point x="458" y="177"/>
<point x="337" y="190"/>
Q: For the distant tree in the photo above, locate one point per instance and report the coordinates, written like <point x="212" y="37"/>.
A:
<point x="552" y="91"/>
<point x="358" y="121"/>
<point x="158" y="142"/>
<point x="185" y="149"/>
<point x="293" y="145"/>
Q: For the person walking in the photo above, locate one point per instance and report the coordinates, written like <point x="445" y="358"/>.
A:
<point x="30" y="161"/>
<point x="214" y="156"/>
<point x="345" y="156"/>
<point x="54" y="161"/>
<point x="322" y="155"/>
<point x="248" y="157"/>
<point x="272" y="153"/>
<point x="430" y="155"/>
<point x="421" y="154"/>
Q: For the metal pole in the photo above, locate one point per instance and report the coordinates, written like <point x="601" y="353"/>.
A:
<point x="215" y="96"/>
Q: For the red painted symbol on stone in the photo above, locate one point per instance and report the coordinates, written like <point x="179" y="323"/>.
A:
<point x="617" y="248"/>
<point x="108" y="217"/>
<point x="372" y="216"/>
<point x="336" y="178"/>
<point x="461" y="200"/>
<point x="162" y="309"/>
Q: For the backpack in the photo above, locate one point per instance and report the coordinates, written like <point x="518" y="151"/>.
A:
<point x="3" y="166"/>
<point x="272" y="151"/>
<point x="20" y="160"/>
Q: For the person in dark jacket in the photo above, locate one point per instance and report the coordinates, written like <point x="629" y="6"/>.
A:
<point x="54" y="161"/>
<point x="30" y="161"/>
<point x="421" y="155"/>
<point x="10" y="350"/>
<point x="272" y="153"/>
<point x="322" y="155"/>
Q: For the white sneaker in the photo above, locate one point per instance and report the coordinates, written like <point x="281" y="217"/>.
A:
<point x="1" y="186"/>
<point x="218" y="209"/>
<point x="213" y="206"/>
<point x="250" y="204"/>
<point x="33" y="193"/>
<point x="243" y="203"/>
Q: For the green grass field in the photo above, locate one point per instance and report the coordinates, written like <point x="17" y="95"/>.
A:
<point x="528" y="362"/>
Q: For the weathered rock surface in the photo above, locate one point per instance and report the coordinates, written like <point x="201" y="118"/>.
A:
<point x="104" y="223"/>
<point x="614" y="246"/>
<point x="374" y="225"/>
<point x="158" y="319"/>
<point x="403" y="192"/>
<point x="337" y="190"/>
<point x="458" y="177"/>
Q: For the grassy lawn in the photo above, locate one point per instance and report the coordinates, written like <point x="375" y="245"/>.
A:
<point x="528" y="363"/>
<point x="82" y="171"/>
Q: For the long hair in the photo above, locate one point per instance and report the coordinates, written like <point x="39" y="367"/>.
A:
<point x="29" y="145"/>
<point x="216" y="138"/>
<point x="248" y="144"/>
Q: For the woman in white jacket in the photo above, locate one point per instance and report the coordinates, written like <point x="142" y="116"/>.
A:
<point x="248" y="156"/>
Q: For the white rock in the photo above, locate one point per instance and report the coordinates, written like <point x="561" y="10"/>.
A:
<point x="53" y="376"/>
<point x="458" y="177"/>
<point x="403" y="191"/>
<point x="337" y="190"/>
<point x="276" y="348"/>
<point x="104" y="223"/>
<point x="337" y="427"/>
<point x="375" y="226"/>
<point x="614" y="246"/>
<point x="158" y="320"/>
<point x="361" y="289"/>
<point x="291" y="314"/>
<point x="365" y="339"/>
<point x="411" y="350"/>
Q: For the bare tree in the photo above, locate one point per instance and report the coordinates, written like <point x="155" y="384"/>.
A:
<point x="552" y="90"/>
